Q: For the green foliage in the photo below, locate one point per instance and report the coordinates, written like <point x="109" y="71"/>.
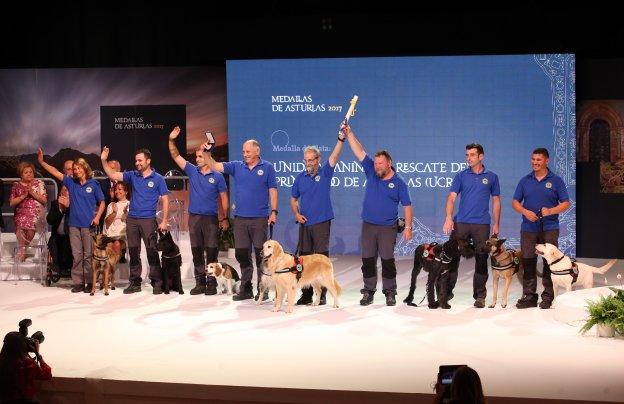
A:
<point x="609" y="310"/>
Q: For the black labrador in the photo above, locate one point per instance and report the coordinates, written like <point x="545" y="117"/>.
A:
<point x="170" y="262"/>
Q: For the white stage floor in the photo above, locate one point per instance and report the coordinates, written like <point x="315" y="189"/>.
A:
<point x="213" y="340"/>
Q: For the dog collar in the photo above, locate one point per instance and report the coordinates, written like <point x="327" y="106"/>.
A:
<point x="177" y="255"/>
<point x="556" y="261"/>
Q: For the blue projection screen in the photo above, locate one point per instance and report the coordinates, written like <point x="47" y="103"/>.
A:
<point x="423" y="110"/>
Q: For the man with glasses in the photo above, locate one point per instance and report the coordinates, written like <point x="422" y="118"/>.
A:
<point x="311" y="204"/>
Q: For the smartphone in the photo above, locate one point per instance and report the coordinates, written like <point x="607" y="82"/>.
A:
<point x="446" y="373"/>
<point x="210" y="138"/>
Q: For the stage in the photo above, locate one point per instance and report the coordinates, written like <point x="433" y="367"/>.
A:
<point x="183" y="342"/>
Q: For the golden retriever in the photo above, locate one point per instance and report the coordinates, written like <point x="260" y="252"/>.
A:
<point x="317" y="271"/>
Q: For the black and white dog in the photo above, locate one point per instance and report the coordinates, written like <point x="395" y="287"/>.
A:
<point x="170" y="262"/>
<point x="436" y="259"/>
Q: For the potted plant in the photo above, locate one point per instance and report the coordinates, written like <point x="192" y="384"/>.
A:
<point x="226" y="240"/>
<point x="607" y="314"/>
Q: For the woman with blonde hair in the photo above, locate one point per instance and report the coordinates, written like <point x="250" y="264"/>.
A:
<point x="87" y="205"/>
<point x="28" y="197"/>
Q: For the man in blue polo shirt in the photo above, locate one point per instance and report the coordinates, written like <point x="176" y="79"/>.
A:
<point x="147" y="187"/>
<point x="385" y="189"/>
<point x="476" y="185"/>
<point x="255" y="198"/>
<point x="311" y="204"/>
<point x="208" y="190"/>
<point x="540" y="196"/>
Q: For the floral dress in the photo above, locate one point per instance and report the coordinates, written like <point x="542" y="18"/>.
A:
<point x="29" y="211"/>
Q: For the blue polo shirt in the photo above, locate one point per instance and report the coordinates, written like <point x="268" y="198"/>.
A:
<point x="145" y="193"/>
<point x="252" y="187"/>
<point x="83" y="200"/>
<point x="535" y="195"/>
<point x="313" y="194"/>
<point x="382" y="197"/>
<point x="205" y="189"/>
<point x="475" y="190"/>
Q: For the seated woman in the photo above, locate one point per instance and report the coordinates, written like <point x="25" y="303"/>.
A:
<point x="28" y="197"/>
<point x="116" y="214"/>
<point x="18" y="371"/>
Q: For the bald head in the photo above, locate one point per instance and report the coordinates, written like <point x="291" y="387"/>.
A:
<point x="251" y="151"/>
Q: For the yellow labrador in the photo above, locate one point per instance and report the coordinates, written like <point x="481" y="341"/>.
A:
<point x="314" y="270"/>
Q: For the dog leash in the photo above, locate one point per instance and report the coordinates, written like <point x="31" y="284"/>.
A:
<point x="271" y="231"/>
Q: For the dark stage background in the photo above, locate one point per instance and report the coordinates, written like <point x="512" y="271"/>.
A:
<point x="116" y="34"/>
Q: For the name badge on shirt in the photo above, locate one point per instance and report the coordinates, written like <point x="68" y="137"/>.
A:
<point x="317" y="178"/>
<point x="485" y="181"/>
<point x="260" y="172"/>
<point x="89" y="190"/>
<point x="150" y="184"/>
<point x="211" y="180"/>
<point x="549" y="185"/>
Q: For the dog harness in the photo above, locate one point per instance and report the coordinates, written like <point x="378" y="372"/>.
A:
<point x="573" y="272"/>
<point x="296" y="269"/>
<point x="429" y="252"/>
<point x="515" y="262"/>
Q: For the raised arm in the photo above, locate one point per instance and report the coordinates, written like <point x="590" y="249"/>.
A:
<point x="210" y="162"/>
<point x="112" y="174"/>
<point x="333" y="157"/>
<point x="175" y="154"/>
<point x="53" y="171"/>
<point x="354" y="143"/>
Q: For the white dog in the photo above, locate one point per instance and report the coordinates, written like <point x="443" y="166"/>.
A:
<point x="227" y="278"/>
<point x="565" y="273"/>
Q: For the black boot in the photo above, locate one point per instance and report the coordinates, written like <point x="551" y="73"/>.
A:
<point x="211" y="285"/>
<point x="390" y="297"/>
<point x="306" y="296"/>
<point x="245" y="292"/>
<point x="367" y="297"/>
<point x="133" y="287"/>
<point x="526" y="302"/>
<point x="323" y="296"/>
<point x="200" y="286"/>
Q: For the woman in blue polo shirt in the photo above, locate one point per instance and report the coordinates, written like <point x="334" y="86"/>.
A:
<point x="87" y="205"/>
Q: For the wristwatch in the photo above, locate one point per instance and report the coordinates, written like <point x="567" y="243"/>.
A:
<point x="274" y="211"/>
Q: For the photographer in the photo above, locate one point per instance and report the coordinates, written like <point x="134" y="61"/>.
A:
<point x="464" y="389"/>
<point x="18" y="371"/>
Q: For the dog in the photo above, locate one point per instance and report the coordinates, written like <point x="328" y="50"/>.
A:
<point x="267" y="283"/>
<point x="171" y="261"/>
<point x="435" y="259"/>
<point x="505" y="263"/>
<point x="227" y="278"/>
<point x="566" y="272"/>
<point x="104" y="262"/>
<point x="291" y="273"/>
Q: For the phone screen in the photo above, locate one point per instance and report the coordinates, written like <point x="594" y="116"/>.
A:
<point x="447" y="372"/>
<point x="210" y="137"/>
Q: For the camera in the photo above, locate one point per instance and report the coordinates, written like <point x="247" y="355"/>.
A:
<point x="446" y="373"/>
<point x="30" y="341"/>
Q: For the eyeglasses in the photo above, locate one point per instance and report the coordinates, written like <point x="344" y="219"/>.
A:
<point x="311" y="160"/>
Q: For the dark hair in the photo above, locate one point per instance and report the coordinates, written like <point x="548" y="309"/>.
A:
<point x="543" y="151"/>
<point x="146" y="152"/>
<point x="13" y="350"/>
<point x="466" y="386"/>
<point x="125" y="187"/>
<point x="383" y="153"/>
<point x="475" y="146"/>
